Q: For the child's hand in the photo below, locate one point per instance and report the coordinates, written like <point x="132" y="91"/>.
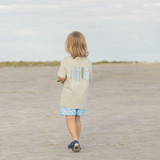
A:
<point x="61" y="79"/>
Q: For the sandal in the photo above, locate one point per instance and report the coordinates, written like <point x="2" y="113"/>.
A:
<point x="76" y="146"/>
<point x="70" y="145"/>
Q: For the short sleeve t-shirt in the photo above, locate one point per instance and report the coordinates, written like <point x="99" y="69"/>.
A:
<point x="78" y="73"/>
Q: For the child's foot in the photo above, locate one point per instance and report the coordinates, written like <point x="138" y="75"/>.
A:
<point x="70" y="145"/>
<point x="76" y="146"/>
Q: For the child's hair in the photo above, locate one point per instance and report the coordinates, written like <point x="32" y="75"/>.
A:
<point x="76" y="45"/>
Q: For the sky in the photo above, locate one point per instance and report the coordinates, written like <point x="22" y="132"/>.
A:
<point x="115" y="30"/>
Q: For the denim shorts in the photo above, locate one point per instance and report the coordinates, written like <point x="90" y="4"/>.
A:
<point x="72" y="112"/>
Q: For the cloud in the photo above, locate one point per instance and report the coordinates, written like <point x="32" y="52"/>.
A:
<point x="29" y="46"/>
<point x="145" y="5"/>
<point x="156" y="4"/>
<point x="6" y="7"/>
<point x="25" y="32"/>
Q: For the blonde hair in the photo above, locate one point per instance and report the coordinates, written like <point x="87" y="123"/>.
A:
<point x="76" y="45"/>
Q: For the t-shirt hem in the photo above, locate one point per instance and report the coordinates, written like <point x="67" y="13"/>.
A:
<point x="73" y="108"/>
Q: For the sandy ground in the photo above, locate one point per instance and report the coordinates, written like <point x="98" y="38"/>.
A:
<point x="122" y="119"/>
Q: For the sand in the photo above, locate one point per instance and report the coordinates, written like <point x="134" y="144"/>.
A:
<point x="122" y="119"/>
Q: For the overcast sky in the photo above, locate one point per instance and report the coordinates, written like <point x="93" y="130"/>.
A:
<point x="120" y="30"/>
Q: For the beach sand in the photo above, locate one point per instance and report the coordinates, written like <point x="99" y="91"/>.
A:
<point x="122" y="119"/>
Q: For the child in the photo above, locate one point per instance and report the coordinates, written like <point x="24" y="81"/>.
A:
<point x="74" y="73"/>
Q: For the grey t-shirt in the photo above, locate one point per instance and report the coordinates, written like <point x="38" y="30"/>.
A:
<point x="78" y="73"/>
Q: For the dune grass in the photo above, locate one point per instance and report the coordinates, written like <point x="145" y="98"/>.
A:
<point x="48" y="63"/>
<point x="29" y="64"/>
<point x="101" y="62"/>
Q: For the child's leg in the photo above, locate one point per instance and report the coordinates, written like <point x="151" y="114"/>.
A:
<point x="72" y="127"/>
<point x="78" y="125"/>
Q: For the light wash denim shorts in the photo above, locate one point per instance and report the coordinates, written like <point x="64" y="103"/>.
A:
<point x="72" y="112"/>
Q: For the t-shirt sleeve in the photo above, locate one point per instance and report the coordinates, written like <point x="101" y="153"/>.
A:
<point x="62" y="72"/>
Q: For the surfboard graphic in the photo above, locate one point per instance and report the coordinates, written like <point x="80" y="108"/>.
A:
<point x="87" y="73"/>
<point x="75" y="73"/>
<point x="82" y="73"/>
<point x="79" y="72"/>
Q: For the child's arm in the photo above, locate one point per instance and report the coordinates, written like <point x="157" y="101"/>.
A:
<point x="62" y="72"/>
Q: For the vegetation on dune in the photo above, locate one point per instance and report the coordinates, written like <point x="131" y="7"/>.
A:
<point x="48" y="63"/>
<point x="29" y="64"/>
<point x="101" y="62"/>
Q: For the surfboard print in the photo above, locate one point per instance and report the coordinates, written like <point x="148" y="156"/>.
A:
<point x="87" y="73"/>
<point x="79" y="72"/>
<point x="75" y="73"/>
<point x="82" y="73"/>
